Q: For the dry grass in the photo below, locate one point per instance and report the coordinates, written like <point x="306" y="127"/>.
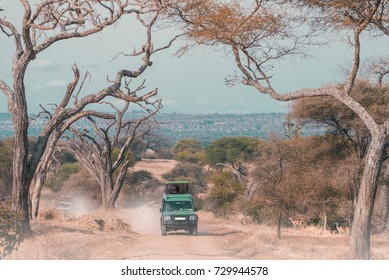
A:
<point x="75" y="238"/>
<point x="254" y="241"/>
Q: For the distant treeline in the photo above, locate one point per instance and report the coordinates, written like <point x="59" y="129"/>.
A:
<point x="203" y="127"/>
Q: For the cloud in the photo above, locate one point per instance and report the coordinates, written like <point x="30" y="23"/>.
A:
<point x="44" y="65"/>
<point x="55" y="84"/>
<point x="51" y="84"/>
<point x="89" y="64"/>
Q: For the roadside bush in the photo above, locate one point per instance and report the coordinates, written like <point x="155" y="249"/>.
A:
<point x="48" y="215"/>
<point x="224" y="193"/>
<point x="65" y="157"/>
<point x="56" y="181"/>
<point x="139" y="187"/>
<point x="139" y="183"/>
<point x="258" y="211"/>
<point x="5" y="167"/>
<point x="198" y="202"/>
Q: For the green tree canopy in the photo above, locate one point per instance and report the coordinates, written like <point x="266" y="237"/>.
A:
<point x="189" y="150"/>
<point x="231" y="149"/>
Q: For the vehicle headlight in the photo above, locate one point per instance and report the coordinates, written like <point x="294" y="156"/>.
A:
<point x="166" y="218"/>
<point x="192" y="218"/>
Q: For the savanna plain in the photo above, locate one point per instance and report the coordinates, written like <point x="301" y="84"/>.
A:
<point x="133" y="232"/>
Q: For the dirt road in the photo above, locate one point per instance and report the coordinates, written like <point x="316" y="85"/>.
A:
<point x="81" y="238"/>
<point x="209" y="244"/>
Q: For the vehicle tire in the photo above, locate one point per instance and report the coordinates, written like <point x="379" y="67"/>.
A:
<point x="163" y="230"/>
<point x="193" y="231"/>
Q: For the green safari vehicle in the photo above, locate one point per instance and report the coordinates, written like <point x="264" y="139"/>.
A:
<point x="177" y="210"/>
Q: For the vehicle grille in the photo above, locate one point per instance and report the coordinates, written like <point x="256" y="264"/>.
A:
<point x="180" y="219"/>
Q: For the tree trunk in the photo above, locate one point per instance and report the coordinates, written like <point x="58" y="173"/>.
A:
<point x="42" y="170"/>
<point x="386" y="210"/>
<point x="20" y="185"/>
<point x="279" y="221"/>
<point x="360" y="232"/>
<point x="106" y="185"/>
<point x="385" y="200"/>
<point x="119" y="181"/>
<point x="324" y="220"/>
<point x="384" y="193"/>
<point x="36" y="194"/>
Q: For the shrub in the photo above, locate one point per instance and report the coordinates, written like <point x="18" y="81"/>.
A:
<point x="48" y="215"/>
<point x="6" y="147"/>
<point x="189" y="150"/>
<point x="55" y="182"/>
<point x="257" y="210"/>
<point x="224" y="193"/>
<point x="139" y="183"/>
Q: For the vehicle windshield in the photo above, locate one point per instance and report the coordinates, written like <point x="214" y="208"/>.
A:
<point x="178" y="206"/>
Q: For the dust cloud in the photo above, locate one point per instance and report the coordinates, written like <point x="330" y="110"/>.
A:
<point x="144" y="219"/>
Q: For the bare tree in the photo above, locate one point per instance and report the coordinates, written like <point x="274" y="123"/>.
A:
<point x="48" y="159"/>
<point x="41" y="27"/>
<point x="258" y="33"/>
<point x="105" y="149"/>
<point x="378" y="67"/>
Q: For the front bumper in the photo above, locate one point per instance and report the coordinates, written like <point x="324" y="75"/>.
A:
<point x="179" y="222"/>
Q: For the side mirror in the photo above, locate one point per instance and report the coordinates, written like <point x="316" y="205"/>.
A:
<point x="196" y="209"/>
<point x="160" y="209"/>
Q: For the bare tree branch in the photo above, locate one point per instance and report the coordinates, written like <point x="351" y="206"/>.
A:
<point x="96" y="152"/>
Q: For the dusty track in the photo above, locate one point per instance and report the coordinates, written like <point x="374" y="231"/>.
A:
<point x="178" y="245"/>
<point x="80" y="238"/>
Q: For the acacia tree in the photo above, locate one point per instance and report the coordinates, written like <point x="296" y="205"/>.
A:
<point x="105" y="149"/>
<point x="231" y="153"/>
<point x="41" y="26"/>
<point x="286" y="169"/>
<point x="189" y="150"/>
<point x="260" y="32"/>
<point x="341" y="120"/>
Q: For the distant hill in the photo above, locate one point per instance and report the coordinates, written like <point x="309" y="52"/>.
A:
<point x="203" y="127"/>
<point x="208" y="127"/>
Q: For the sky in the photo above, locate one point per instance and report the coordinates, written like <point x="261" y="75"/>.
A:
<point x="192" y="83"/>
